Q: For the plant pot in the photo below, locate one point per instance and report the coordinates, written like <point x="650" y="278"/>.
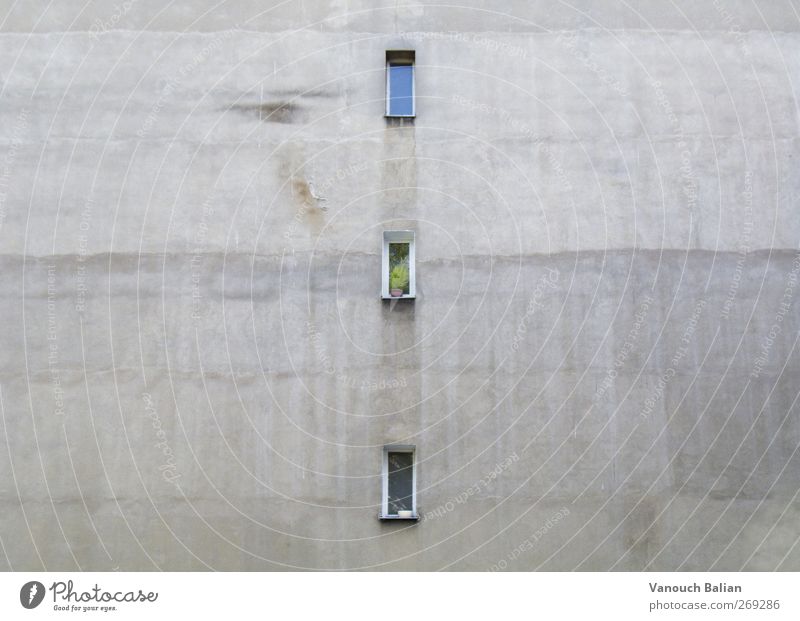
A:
<point x="396" y="293"/>
<point x="405" y="514"/>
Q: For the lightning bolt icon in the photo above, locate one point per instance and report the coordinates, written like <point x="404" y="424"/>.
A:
<point x="32" y="593"/>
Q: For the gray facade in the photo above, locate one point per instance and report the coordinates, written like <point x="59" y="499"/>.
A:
<point x="599" y="370"/>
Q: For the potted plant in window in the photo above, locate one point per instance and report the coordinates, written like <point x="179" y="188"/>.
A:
<point x="398" y="280"/>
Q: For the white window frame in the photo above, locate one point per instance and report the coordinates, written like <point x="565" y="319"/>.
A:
<point x="399" y="448"/>
<point x="402" y="237"/>
<point x="401" y="57"/>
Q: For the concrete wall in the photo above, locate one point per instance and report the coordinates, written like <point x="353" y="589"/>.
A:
<point x="600" y="369"/>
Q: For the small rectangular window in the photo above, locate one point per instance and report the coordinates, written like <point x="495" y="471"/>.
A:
<point x="398" y="279"/>
<point x="399" y="483"/>
<point x="400" y="83"/>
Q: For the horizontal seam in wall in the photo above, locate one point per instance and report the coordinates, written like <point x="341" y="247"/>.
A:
<point x="422" y="35"/>
<point x="588" y="252"/>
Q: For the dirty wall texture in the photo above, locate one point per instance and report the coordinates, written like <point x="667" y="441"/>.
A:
<point x="599" y="370"/>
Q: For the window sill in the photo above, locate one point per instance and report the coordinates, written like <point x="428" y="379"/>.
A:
<point x="399" y="297"/>
<point x="399" y="116"/>
<point x="413" y="518"/>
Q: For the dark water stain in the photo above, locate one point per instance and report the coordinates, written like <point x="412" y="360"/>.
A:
<point x="312" y="215"/>
<point x="271" y="111"/>
<point x="302" y="191"/>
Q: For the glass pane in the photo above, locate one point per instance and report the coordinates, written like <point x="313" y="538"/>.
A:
<point x="401" y="482"/>
<point x="401" y="80"/>
<point x="399" y="275"/>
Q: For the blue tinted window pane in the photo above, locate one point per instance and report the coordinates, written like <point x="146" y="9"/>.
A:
<point x="401" y="80"/>
<point x="401" y="482"/>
